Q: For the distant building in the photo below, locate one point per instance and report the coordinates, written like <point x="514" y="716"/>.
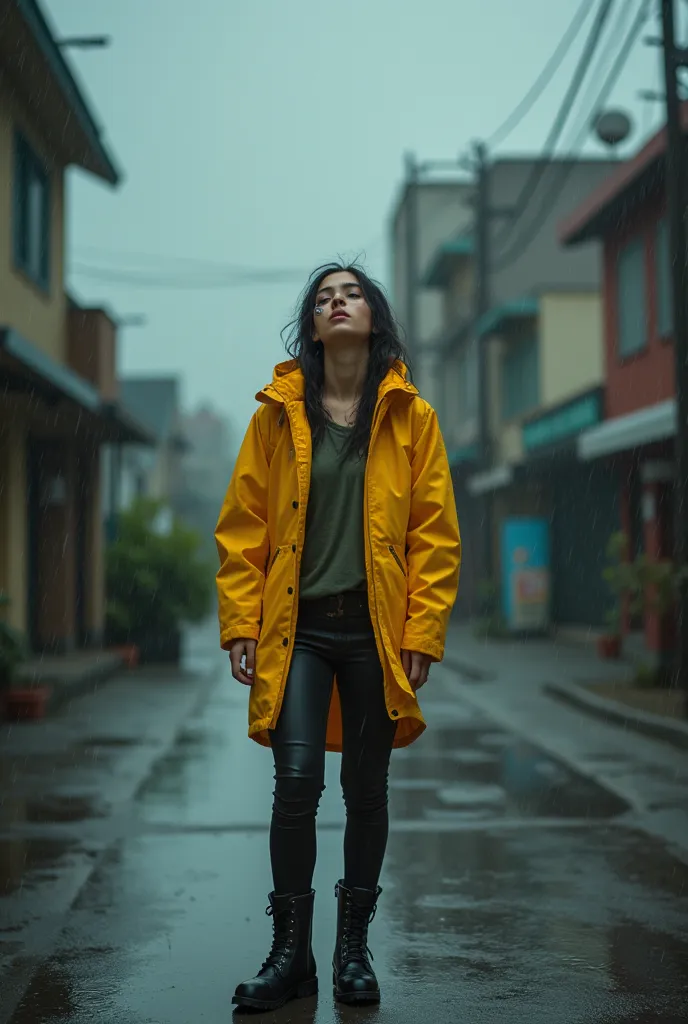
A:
<point x="205" y="470"/>
<point x="543" y="342"/>
<point x="153" y="471"/>
<point x="59" y="400"/>
<point x="431" y="212"/>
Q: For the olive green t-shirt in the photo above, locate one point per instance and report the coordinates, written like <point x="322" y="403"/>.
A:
<point x="333" y="557"/>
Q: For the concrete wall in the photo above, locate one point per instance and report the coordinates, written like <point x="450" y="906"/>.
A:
<point x="37" y="315"/>
<point x="571" y="345"/>
<point x="543" y="264"/>
<point x="442" y="213"/>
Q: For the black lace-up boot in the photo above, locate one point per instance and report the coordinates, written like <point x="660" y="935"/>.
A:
<point x="353" y="977"/>
<point x="289" y="971"/>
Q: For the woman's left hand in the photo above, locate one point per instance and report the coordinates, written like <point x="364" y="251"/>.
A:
<point x="416" y="666"/>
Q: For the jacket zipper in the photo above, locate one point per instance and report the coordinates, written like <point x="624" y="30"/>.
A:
<point x="396" y="558"/>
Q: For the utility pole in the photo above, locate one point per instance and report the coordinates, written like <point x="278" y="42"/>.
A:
<point x="677" y="202"/>
<point x="411" y="224"/>
<point x="481" y="306"/>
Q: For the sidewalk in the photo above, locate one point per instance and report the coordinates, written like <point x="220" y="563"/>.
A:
<point x="68" y="785"/>
<point x="532" y="688"/>
<point x="575" y="674"/>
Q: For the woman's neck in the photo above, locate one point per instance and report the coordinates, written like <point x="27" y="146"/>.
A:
<point x="345" y="372"/>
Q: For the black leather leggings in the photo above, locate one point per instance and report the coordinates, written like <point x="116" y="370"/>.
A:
<point x="331" y="639"/>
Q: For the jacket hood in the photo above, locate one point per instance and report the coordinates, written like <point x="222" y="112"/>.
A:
<point x="288" y="382"/>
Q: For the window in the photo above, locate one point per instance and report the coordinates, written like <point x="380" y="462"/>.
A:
<point x="520" y="377"/>
<point x="31" y="214"/>
<point x="665" y="324"/>
<point x="632" y="318"/>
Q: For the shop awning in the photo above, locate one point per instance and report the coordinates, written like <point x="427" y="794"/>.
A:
<point x="27" y="368"/>
<point x="499" y="318"/>
<point x="123" y="427"/>
<point x="490" y="480"/>
<point x="655" y="423"/>
<point x="445" y="258"/>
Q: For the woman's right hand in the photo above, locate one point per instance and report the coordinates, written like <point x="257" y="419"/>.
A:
<point x="243" y="649"/>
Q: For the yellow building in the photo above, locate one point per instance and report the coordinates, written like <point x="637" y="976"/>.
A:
<point x="58" y="391"/>
<point x="546" y="360"/>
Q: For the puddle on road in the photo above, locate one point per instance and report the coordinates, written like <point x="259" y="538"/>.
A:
<point x="539" y="927"/>
<point x="53" y="808"/>
<point x="27" y="863"/>
<point x="471" y="766"/>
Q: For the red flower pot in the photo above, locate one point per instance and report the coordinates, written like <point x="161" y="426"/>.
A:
<point x="129" y="654"/>
<point x="609" y="647"/>
<point x="26" y="704"/>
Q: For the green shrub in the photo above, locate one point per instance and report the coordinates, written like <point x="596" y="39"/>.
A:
<point x="155" y="581"/>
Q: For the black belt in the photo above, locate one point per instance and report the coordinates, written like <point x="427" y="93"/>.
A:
<point x="336" y="606"/>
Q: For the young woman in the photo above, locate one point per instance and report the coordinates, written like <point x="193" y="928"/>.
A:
<point x="339" y="563"/>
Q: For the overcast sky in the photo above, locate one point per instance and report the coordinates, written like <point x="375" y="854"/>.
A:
<point x="271" y="133"/>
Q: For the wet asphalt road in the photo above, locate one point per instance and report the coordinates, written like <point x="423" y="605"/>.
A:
<point x="513" y="889"/>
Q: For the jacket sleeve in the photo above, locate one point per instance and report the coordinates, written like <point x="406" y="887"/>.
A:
<point x="242" y="541"/>
<point x="433" y="544"/>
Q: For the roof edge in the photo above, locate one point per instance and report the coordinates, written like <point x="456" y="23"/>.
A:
<point x="41" y="32"/>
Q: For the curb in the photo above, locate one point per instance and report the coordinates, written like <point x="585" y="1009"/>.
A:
<point x="476" y="675"/>
<point x="644" y="722"/>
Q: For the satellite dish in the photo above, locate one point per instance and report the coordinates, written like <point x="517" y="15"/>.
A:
<point x="612" y="127"/>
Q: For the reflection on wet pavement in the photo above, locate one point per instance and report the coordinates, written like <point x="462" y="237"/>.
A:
<point x="512" y="891"/>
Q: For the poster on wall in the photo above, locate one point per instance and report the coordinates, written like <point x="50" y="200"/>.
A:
<point x="526" y="574"/>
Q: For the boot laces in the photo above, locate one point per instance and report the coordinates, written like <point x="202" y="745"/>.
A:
<point x="355" y="938"/>
<point x="283" y="929"/>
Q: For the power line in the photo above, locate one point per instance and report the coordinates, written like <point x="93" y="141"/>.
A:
<point x="533" y="180"/>
<point x="607" y="54"/>
<point x="188" y="282"/>
<point x="543" y="79"/>
<point x="527" y="236"/>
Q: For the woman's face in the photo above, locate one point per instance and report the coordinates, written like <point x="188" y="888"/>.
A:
<point x="341" y="311"/>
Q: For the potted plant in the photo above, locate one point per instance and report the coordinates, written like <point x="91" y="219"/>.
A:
<point x="19" y="702"/>
<point x="626" y="588"/>
<point x="156" y="582"/>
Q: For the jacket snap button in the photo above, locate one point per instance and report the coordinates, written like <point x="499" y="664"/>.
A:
<point x="290" y="590"/>
<point x="285" y="643"/>
<point x="395" y="712"/>
<point x="294" y="504"/>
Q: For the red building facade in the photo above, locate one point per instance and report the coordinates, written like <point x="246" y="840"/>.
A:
<point x="628" y="215"/>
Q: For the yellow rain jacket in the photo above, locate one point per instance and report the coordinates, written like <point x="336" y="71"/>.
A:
<point x="412" y="543"/>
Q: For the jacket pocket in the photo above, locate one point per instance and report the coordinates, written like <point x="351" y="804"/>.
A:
<point x="396" y="558"/>
<point x="272" y="562"/>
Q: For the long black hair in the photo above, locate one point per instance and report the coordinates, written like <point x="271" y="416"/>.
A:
<point x="386" y="346"/>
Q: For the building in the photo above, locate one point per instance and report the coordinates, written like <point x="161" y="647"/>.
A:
<point x="152" y="470"/>
<point x="59" y="400"/>
<point x="205" y="472"/>
<point x="542" y="344"/>
<point x="425" y="214"/>
<point x="634" y="446"/>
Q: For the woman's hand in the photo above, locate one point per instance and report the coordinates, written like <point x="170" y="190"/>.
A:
<point x="416" y="666"/>
<point x="243" y="649"/>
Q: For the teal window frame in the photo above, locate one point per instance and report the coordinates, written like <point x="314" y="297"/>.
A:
<point x="632" y="333"/>
<point x="663" y="297"/>
<point x="31" y="214"/>
<point x="520" y="377"/>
